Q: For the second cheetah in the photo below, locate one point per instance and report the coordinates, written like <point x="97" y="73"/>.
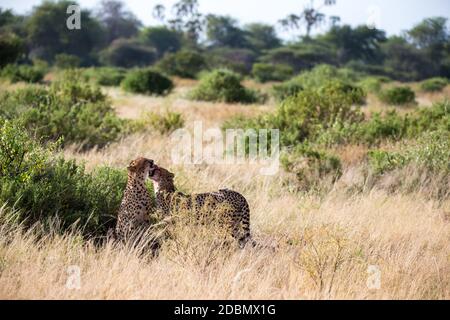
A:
<point x="237" y="209"/>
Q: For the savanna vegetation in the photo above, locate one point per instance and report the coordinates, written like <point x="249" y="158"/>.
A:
<point x="364" y="173"/>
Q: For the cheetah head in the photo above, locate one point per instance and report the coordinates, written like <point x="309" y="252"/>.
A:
<point x="162" y="179"/>
<point x="142" y="167"/>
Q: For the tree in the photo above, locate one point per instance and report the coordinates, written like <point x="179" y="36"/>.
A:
<point x="162" y="39"/>
<point x="187" y="19"/>
<point x="430" y="32"/>
<point x="360" y="43"/>
<point x="310" y="17"/>
<point x="11" y="48"/>
<point x="406" y="61"/>
<point x="223" y="31"/>
<point x="117" y="21"/>
<point x="261" y="37"/>
<point x="128" y="53"/>
<point x="48" y="34"/>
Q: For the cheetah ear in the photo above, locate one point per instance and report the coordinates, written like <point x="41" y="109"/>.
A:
<point x="132" y="166"/>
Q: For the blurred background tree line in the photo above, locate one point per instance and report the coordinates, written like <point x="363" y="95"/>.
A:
<point x="186" y="41"/>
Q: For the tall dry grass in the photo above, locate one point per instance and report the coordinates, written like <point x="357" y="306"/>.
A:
<point x="310" y="246"/>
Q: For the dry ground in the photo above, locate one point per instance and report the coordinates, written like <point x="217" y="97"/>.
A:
<point x="328" y="247"/>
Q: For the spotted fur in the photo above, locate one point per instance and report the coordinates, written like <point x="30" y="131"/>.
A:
<point x="232" y="203"/>
<point x="133" y="217"/>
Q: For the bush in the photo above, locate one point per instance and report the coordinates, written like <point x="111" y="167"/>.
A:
<point x="286" y="89"/>
<point x="371" y="84"/>
<point x="304" y="115"/>
<point x="163" y="123"/>
<point x="264" y="72"/>
<point x="70" y="109"/>
<point x="434" y="84"/>
<point x="432" y="150"/>
<point x="356" y="94"/>
<point x="319" y="77"/>
<point x="11" y="48"/>
<point x="127" y="53"/>
<point x="398" y="96"/>
<point x="185" y="64"/>
<point x="224" y="86"/>
<point x="147" y="81"/>
<point x="234" y="59"/>
<point x="67" y="61"/>
<point x="43" y="188"/>
<point x="420" y="166"/>
<point x="105" y="76"/>
<point x="26" y="73"/>
<point x="311" y="166"/>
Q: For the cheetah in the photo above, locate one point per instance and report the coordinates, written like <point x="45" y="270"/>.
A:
<point x="133" y="216"/>
<point x="168" y="199"/>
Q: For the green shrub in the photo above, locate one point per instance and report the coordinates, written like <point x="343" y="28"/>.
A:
<point x="105" y="76"/>
<point x="302" y="116"/>
<point x="286" y="89"/>
<point x="11" y="48"/>
<point x="356" y="94"/>
<point x="432" y="151"/>
<point x="163" y="123"/>
<point x="224" y="86"/>
<point x="147" y="81"/>
<point x="388" y="126"/>
<point x="185" y="64"/>
<point x="127" y="53"/>
<point x="371" y="84"/>
<point x="311" y="166"/>
<point x="398" y="96"/>
<point x="319" y="77"/>
<point x="25" y="73"/>
<point x="43" y="188"/>
<point x="434" y="84"/>
<point x="69" y="108"/>
<point x="264" y="72"/>
<point x="67" y="61"/>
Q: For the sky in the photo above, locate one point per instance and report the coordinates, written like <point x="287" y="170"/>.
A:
<point x="393" y="16"/>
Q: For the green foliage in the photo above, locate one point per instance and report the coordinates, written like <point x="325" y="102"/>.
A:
<point x="22" y="72"/>
<point x="264" y="72"/>
<point x="105" y="76"/>
<point x="11" y="48"/>
<point x="69" y="108"/>
<point x="432" y="151"/>
<point x="235" y="59"/>
<point x="185" y="64"/>
<point x="128" y="53"/>
<point x="147" y="81"/>
<point x="302" y="116"/>
<point x="434" y="84"/>
<point x="356" y="94"/>
<point x="322" y="76"/>
<point x="223" y="31"/>
<point x="163" y="123"/>
<point x="224" y="86"/>
<point x="162" y="39"/>
<point x="398" y="96"/>
<point x="47" y="32"/>
<point x="311" y="166"/>
<point x="372" y="84"/>
<point x="262" y="37"/>
<point x="43" y="188"/>
<point x="67" y="61"/>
